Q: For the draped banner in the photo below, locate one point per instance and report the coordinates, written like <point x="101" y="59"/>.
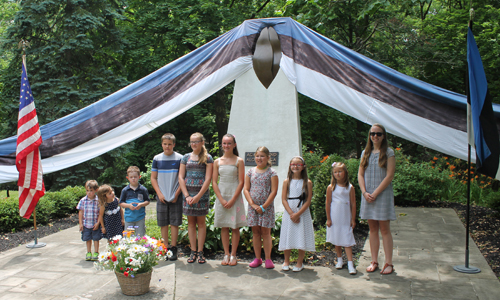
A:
<point x="320" y="69"/>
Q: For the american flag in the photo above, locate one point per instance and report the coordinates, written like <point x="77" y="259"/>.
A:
<point x="28" y="160"/>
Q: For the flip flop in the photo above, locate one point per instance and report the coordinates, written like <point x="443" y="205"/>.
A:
<point x="385" y="267"/>
<point x="372" y="267"/>
<point x="225" y="261"/>
<point x="232" y="261"/>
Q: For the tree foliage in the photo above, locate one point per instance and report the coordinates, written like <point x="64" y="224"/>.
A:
<point x="83" y="50"/>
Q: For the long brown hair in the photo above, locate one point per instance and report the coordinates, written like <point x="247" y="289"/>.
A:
<point x="203" y="156"/>
<point x="266" y="152"/>
<point x="382" y="159"/>
<point x="101" y="194"/>
<point x="235" y="149"/>
<point x="334" y="182"/>
<point x="303" y="175"/>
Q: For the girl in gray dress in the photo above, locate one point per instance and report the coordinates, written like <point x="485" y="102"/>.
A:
<point x="229" y="208"/>
<point x="376" y="171"/>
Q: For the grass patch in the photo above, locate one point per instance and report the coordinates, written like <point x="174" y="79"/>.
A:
<point x="12" y="193"/>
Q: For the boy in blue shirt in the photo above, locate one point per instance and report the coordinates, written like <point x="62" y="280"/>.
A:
<point x="134" y="199"/>
<point x="165" y="181"/>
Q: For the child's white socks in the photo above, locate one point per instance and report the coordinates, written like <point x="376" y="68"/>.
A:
<point x="340" y="263"/>
<point x="350" y="267"/>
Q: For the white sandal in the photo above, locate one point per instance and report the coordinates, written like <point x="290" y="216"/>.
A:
<point x="225" y="261"/>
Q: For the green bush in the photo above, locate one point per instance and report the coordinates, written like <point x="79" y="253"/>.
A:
<point x="9" y="215"/>
<point x="52" y="205"/>
<point x="417" y="181"/>
<point x="65" y="200"/>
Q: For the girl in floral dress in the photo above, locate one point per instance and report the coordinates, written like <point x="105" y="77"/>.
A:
<point x="261" y="186"/>
<point x="195" y="174"/>
<point x="229" y="208"/>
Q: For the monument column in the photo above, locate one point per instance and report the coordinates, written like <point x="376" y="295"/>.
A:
<point x="266" y="117"/>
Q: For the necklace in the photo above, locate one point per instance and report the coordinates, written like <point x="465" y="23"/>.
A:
<point x="262" y="168"/>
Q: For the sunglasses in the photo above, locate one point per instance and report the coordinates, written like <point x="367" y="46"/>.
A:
<point x="376" y="134"/>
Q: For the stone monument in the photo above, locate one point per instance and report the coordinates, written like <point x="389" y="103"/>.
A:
<point x="266" y="117"/>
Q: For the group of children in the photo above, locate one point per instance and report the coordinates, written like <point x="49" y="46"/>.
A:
<point x="101" y="214"/>
<point x="182" y="187"/>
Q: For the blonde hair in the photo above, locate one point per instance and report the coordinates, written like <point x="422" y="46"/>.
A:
<point x="133" y="169"/>
<point x="334" y="182"/>
<point x="266" y="152"/>
<point x="101" y="194"/>
<point x="303" y="175"/>
<point x="203" y="156"/>
<point x="382" y="159"/>
<point x="92" y="184"/>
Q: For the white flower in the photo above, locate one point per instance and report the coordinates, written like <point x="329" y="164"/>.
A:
<point x="170" y="253"/>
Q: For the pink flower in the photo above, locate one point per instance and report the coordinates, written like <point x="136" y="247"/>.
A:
<point x="238" y="209"/>
<point x="243" y="218"/>
<point x="232" y="218"/>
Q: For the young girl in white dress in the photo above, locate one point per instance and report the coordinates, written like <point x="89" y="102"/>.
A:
<point x="341" y="214"/>
<point x="297" y="230"/>
<point x="229" y="209"/>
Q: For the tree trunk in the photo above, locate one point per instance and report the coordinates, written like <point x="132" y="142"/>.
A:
<point x="221" y="116"/>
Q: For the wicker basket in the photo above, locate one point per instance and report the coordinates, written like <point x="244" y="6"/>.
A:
<point x="136" y="286"/>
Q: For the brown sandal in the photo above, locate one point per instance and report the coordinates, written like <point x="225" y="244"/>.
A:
<point x="385" y="267"/>
<point x="192" y="257"/>
<point x="372" y="267"/>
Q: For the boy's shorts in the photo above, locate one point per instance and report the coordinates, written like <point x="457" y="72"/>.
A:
<point x="140" y="227"/>
<point x="169" y="213"/>
<point x="91" y="234"/>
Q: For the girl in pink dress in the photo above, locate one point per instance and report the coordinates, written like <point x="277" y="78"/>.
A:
<point x="261" y="186"/>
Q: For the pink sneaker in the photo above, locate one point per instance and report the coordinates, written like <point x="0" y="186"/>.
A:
<point x="255" y="263"/>
<point x="269" y="264"/>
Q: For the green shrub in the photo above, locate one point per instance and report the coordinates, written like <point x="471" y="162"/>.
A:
<point x="9" y="215"/>
<point x="417" y="181"/>
<point x="65" y="200"/>
<point x="146" y="179"/>
<point x="52" y="205"/>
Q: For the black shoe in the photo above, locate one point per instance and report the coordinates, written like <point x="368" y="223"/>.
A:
<point x="174" y="253"/>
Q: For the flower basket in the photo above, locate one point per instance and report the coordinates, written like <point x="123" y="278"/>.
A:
<point x="136" y="286"/>
<point x="132" y="259"/>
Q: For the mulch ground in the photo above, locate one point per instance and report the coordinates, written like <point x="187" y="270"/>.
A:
<point x="484" y="228"/>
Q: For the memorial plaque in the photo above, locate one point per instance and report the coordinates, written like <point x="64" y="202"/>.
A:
<point x="250" y="158"/>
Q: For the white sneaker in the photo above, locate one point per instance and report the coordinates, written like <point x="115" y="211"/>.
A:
<point x="352" y="269"/>
<point x="339" y="264"/>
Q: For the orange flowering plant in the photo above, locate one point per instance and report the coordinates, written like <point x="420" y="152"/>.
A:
<point x="131" y="255"/>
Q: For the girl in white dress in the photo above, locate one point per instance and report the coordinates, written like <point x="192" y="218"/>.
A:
<point x="297" y="230"/>
<point x="341" y="214"/>
<point x="229" y="209"/>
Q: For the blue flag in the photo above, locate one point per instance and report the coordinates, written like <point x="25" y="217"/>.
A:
<point x="484" y="127"/>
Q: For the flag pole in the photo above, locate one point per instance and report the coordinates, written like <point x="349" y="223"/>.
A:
<point x="466" y="268"/>
<point x="24" y="44"/>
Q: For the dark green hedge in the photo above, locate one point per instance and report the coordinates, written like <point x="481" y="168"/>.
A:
<point x="51" y="206"/>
